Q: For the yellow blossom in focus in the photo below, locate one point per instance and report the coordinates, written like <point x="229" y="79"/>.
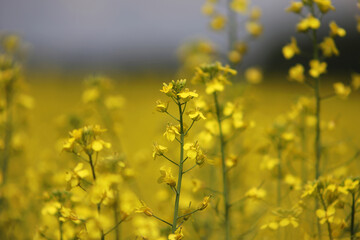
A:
<point x="341" y="90"/>
<point x="186" y="94"/>
<point x="167" y="177"/>
<point x="171" y="132"/>
<point x="196" y="115"/>
<point x="307" y="23"/>
<point x="335" y="30"/>
<point x="253" y="75"/>
<point x="161" y="106"/>
<point x="291" y="49"/>
<point x="159" y="150"/>
<point x="167" y="89"/>
<point x="317" y="68"/>
<point x="204" y="203"/>
<point x="218" y="22"/>
<point x="296" y="73"/>
<point x="295" y="7"/>
<point x="144" y="209"/>
<point x="178" y="235"/>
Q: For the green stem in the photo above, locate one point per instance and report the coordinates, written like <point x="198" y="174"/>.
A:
<point x="353" y="211"/>
<point x="279" y="177"/>
<point x="94" y="178"/>
<point x="325" y="209"/>
<point x="224" y="171"/>
<point x="60" y="229"/>
<point x="8" y="131"/>
<point x="180" y="174"/>
<point x="317" y="143"/>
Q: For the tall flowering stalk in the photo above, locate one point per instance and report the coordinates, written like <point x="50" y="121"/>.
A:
<point x="182" y="97"/>
<point x="215" y="77"/>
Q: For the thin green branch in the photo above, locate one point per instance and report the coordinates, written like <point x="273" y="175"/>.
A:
<point x="190" y="169"/>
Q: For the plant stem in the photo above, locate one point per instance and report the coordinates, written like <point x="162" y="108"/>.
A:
<point x="224" y="171"/>
<point x="60" y="230"/>
<point x="94" y="178"/>
<point x="178" y="191"/>
<point x="325" y="209"/>
<point x="279" y="177"/>
<point x="317" y="143"/>
<point x="8" y="131"/>
<point x="353" y="211"/>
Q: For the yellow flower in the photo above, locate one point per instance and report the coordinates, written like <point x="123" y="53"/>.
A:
<point x="341" y="90"/>
<point x="239" y="6"/>
<point x="335" y="30"/>
<point x="11" y="43"/>
<point x="167" y="177"/>
<point x="218" y="22"/>
<point x="355" y="80"/>
<point x="328" y="47"/>
<point x="255" y="13"/>
<point x="196" y="115"/>
<point x="324" y="5"/>
<point x="295" y="7"/>
<point x="254" y="28"/>
<point x="74" y="177"/>
<point x="269" y="163"/>
<point x="167" y="89"/>
<point x="309" y="189"/>
<point x="144" y="209"/>
<point x="186" y="94"/>
<point x="272" y="225"/>
<point x="296" y="73"/>
<point x="293" y="182"/>
<point x="194" y="152"/>
<point x="178" y="235"/>
<point x="234" y="56"/>
<point x="161" y="106"/>
<point x="214" y="86"/>
<point x="350" y="184"/>
<point x="309" y="22"/>
<point x="253" y="75"/>
<point x="204" y="203"/>
<point x="91" y="95"/>
<point x="326" y="216"/>
<point x="291" y="49"/>
<point x="159" y="150"/>
<point x="99" y="145"/>
<point x="171" y="132"/>
<point x="289" y="220"/>
<point x="256" y="193"/>
<point x="317" y="68"/>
